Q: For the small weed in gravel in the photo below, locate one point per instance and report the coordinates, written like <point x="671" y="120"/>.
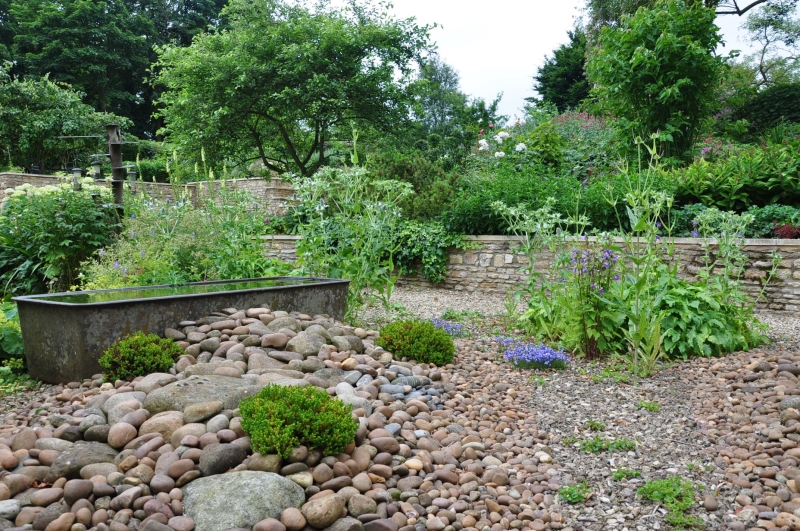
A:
<point x="614" y="371"/>
<point x="462" y="315"/>
<point x="537" y="380"/>
<point x="625" y="473"/>
<point x="653" y="407"/>
<point x="12" y="382"/>
<point x="595" y="445"/>
<point x="595" y="425"/>
<point x="569" y="440"/>
<point x="677" y="496"/>
<point x="575" y="493"/>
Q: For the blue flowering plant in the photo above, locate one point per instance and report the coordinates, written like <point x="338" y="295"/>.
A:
<point x="453" y="329"/>
<point x="526" y="355"/>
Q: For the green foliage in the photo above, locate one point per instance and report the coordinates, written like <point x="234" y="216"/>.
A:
<point x="537" y="380"/>
<point x="12" y="347"/>
<point x="561" y="80"/>
<point x="575" y="493"/>
<point x="433" y="188"/>
<point x="765" y="219"/>
<point x="596" y="445"/>
<point x="677" y="495"/>
<point x="46" y="235"/>
<point x="97" y="47"/>
<point x="426" y="244"/>
<point x="462" y="315"/>
<point x="656" y="71"/>
<point x="446" y="121"/>
<point x="349" y="231"/>
<point x="279" y="99"/>
<point x="625" y="473"/>
<point x="651" y="406"/>
<point x="166" y="242"/>
<point x="138" y="354"/>
<point x="35" y="112"/>
<point x="772" y="106"/>
<point x="754" y="176"/>
<point x="417" y="340"/>
<point x="13" y="378"/>
<point x="152" y="170"/>
<point x="278" y="419"/>
<point x="595" y="425"/>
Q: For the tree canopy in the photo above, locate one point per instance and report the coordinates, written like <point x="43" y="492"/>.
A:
<point x="561" y="80"/>
<point x="277" y="82"/>
<point x="35" y="112"/>
<point x="657" y="72"/>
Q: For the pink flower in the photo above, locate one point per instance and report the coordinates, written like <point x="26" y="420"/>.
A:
<point x="491" y="126"/>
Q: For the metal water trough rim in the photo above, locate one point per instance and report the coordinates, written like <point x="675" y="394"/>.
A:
<point x="41" y="298"/>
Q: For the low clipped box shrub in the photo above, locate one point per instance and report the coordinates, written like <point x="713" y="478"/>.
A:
<point x="417" y="340"/>
<point x="138" y="355"/>
<point x="279" y="419"/>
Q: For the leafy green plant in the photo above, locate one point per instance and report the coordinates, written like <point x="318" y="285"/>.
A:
<point x="417" y="340"/>
<point x="569" y="440"/>
<point x="139" y="354"/>
<point x="625" y="473"/>
<point x="350" y="232"/>
<point x="13" y="378"/>
<point x="758" y="175"/>
<point x="462" y="315"/>
<point x="425" y="243"/>
<point x="278" y="419"/>
<point x="537" y="380"/>
<point x="656" y="71"/>
<point x="12" y="347"/>
<point x="595" y="425"/>
<point x="649" y="405"/>
<point x="596" y="445"/>
<point x="46" y="233"/>
<point x="575" y="493"/>
<point x="677" y="495"/>
<point x="175" y="242"/>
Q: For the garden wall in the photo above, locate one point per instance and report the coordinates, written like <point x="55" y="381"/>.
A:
<point x="495" y="267"/>
<point x="274" y="192"/>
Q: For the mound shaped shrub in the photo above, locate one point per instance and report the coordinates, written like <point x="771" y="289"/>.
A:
<point x="417" y="340"/>
<point x="139" y="354"/>
<point x="279" y="419"/>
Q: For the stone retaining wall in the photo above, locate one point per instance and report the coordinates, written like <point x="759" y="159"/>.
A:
<point x="274" y="192"/>
<point x="496" y="267"/>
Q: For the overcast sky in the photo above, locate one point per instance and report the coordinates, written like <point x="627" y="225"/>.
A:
<point x="497" y="46"/>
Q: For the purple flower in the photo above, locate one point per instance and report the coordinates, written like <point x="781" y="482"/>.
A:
<point x="453" y="329"/>
<point x="124" y="271"/>
<point x="103" y="252"/>
<point x="266" y="221"/>
<point x="600" y="290"/>
<point x="658" y="224"/>
<point x="153" y="232"/>
<point x="695" y="234"/>
<point x="133" y="216"/>
<point x="658" y="238"/>
<point x="532" y="355"/>
<point x="132" y="234"/>
<point x="116" y="265"/>
<point x="142" y="254"/>
<point x="694" y="223"/>
<point x="616" y="277"/>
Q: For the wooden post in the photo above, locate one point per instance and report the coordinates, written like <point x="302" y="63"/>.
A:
<point x="117" y="169"/>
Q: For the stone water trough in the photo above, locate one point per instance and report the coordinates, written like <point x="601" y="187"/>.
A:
<point x="66" y="333"/>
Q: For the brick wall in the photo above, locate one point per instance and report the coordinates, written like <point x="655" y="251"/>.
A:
<point x="495" y="266"/>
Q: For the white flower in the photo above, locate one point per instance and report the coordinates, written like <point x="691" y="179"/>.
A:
<point x="503" y="135"/>
<point x="521" y="147"/>
<point x="483" y="145"/>
<point x="499" y="154"/>
<point x="498" y="139"/>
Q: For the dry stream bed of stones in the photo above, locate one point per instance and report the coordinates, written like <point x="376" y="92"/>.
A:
<point x="471" y="446"/>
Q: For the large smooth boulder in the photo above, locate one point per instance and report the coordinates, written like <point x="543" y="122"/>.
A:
<point x="239" y="499"/>
<point x="71" y="460"/>
<point x="198" y="389"/>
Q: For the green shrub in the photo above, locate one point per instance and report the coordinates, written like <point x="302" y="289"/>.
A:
<point x="756" y="176"/>
<point x="279" y="419"/>
<point x="11" y="345"/>
<point x="138" y="355"/>
<point x="772" y="106"/>
<point x="765" y="219"/>
<point x="425" y="244"/>
<point x="46" y="233"/>
<point x="417" y="340"/>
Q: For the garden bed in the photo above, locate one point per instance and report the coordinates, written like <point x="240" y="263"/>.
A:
<point x="473" y="445"/>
